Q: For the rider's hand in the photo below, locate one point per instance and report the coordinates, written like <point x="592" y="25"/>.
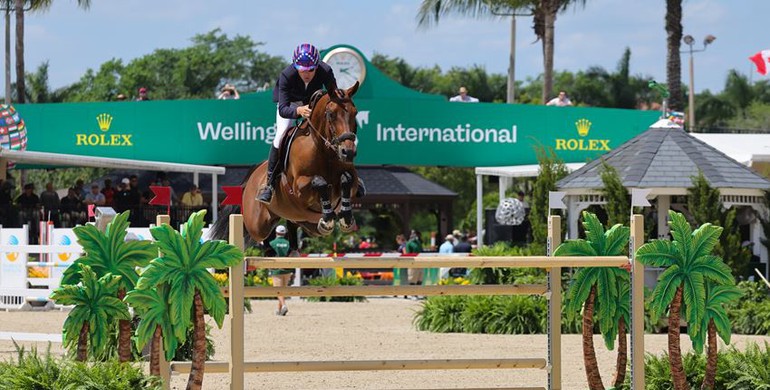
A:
<point x="303" y="111"/>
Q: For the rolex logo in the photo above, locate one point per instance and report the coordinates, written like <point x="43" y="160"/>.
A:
<point x="105" y="121"/>
<point x="583" y="125"/>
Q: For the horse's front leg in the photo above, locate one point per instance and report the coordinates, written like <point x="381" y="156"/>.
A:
<point x="326" y="223"/>
<point x="347" y="222"/>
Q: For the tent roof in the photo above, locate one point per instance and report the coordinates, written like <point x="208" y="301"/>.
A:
<point x="744" y="148"/>
<point x="520" y="170"/>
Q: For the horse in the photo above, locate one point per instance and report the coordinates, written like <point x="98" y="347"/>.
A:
<point x="318" y="178"/>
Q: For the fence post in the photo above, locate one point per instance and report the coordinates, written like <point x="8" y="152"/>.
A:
<point x="637" y="304"/>
<point x="165" y="367"/>
<point x="554" y="307"/>
<point x="236" y="307"/>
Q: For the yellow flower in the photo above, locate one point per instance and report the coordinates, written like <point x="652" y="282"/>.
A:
<point x="270" y="281"/>
<point x="348" y="274"/>
<point x="465" y="282"/>
<point x="458" y="280"/>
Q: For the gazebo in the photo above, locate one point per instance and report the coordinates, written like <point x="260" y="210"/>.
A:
<point x="664" y="159"/>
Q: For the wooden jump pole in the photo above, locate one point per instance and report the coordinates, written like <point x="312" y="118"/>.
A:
<point x="554" y="306"/>
<point x="637" y="303"/>
<point x="164" y="366"/>
<point x="235" y="365"/>
<point x="372" y="291"/>
<point x="439" y="261"/>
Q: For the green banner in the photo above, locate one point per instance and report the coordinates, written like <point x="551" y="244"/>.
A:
<point x="396" y="126"/>
<point x="416" y="132"/>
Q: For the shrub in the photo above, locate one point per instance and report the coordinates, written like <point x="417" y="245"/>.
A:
<point x="328" y="281"/>
<point x="33" y="371"/>
<point x="506" y="275"/>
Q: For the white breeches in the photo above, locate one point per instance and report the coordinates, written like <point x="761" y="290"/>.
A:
<point x="281" y="124"/>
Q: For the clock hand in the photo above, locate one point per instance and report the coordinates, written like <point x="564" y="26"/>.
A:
<point x="344" y="70"/>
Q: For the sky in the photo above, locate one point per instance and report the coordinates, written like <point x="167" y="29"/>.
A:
<point x="73" y="40"/>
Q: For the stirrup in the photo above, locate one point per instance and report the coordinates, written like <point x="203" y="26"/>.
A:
<point x="266" y="194"/>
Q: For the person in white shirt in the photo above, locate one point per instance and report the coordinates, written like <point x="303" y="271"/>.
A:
<point x="464" y="97"/>
<point x="560" y="101"/>
<point x="95" y="197"/>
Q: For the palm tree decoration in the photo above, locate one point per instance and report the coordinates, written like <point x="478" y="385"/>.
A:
<point x="689" y="266"/>
<point x="95" y="307"/>
<point x="109" y="254"/>
<point x="715" y="322"/>
<point x="596" y="285"/>
<point x="183" y="265"/>
<point x="155" y="323"/>
<point x="622" y="318"/>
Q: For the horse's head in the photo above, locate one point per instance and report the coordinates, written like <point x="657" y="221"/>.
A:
<point x="337" y="115"/>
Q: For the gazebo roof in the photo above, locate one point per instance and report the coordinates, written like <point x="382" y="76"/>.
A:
<point x="666" y="157"/>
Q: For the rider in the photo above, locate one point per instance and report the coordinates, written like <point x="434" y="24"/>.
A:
<point x="296" y="84"/>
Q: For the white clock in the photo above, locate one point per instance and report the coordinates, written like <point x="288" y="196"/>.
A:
<point x="348" y="66"/>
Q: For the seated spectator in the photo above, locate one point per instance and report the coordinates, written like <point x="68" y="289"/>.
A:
<point x="72" y="209"/>
<point x="95" y="197"/>
<point x="192" y="198"/>
<point x="29" y="206"/>
<point x="80" y="189"/>
<point x="463" y="246"/>
<point x="463" y="97"/>
<point x="229" y="92"/>
<point x="109" y="192"/>
<point x="49" y="199"/>
<point x="560" y="101"/>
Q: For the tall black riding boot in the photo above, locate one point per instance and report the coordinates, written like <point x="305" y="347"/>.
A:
<point x="267" y="191"/>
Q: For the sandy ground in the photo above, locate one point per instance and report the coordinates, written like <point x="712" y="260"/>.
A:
<point x="378" y="329"/>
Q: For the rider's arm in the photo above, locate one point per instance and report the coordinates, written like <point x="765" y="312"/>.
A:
<point x="285" y="108"/>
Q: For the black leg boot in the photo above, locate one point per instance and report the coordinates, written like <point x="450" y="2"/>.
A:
<point x="266" y="194"/>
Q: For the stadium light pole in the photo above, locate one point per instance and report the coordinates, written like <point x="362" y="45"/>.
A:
<point x="689" y="41"/>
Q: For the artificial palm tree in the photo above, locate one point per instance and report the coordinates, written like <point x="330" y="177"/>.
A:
<point x="689" y="265"/>
<point x="109" y="254"/>
<point x="543" y="13"/>
<point x="595" y="285"/>
<point x="155" y="323"/>
<point x="95" y="306"/>
<point x="622" y="318"/>
<point x="183" y="265"/>
<point x="715" y="322"/>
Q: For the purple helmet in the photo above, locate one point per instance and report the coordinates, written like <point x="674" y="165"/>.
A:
<point x="305" y="57"/>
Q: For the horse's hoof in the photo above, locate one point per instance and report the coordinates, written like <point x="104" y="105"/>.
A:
<point x="325" y="228"/>
<point x="347" y="228"/>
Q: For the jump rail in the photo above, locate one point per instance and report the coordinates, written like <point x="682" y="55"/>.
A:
<point x="236" y="366"/>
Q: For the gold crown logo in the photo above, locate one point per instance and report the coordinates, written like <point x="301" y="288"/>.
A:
<point x="583" y="125"/>
<point x="105" y="121"/>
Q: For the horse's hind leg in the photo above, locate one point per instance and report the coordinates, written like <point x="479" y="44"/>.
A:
<point x="326" y="223"/>
<point x="347" y="222"/>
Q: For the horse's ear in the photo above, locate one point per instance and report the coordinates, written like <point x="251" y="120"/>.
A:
<point x="352" y="90"/>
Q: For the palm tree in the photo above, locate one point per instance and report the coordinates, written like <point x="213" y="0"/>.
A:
<point x="673" y="60"/>
<point x="689" y="266"/>
<point x="621" y="318"/>
<point x="595" y="285"/>
<point x="95" y="306"/>
<point x="543" y="13"/>
<point x="109" y="254"/>
<point x="21" y="6"/>
<point x="152" y="305"/>
<point x="183" y="265"/>
<point x="715" y="321"/>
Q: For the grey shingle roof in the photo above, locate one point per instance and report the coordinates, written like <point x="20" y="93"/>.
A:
<point x="399" y="181"/>
<point x="665" y="158"/>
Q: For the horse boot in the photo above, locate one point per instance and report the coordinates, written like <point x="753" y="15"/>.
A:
<point x="266" y="194"/>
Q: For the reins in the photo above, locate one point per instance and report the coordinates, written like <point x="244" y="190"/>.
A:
<point x="335" y="141"/>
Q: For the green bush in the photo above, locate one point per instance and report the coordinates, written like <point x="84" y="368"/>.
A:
<point x="506" y="275"/>
<point x="32" y="371"/>
<point x="329" y="281"/>
<point x="751" y="314"/>
<point x="736" y="370"/>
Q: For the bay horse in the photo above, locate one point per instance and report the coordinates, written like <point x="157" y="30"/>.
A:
<point x="317" y="180"/>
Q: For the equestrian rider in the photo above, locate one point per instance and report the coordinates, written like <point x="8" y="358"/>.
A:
<point x="296" y="84"/>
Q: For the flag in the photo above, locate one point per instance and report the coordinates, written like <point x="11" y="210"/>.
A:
<point x="556" y="200"/>
<point x="233" y="195"/>
<point x="761" y="61"/>
<point x="639" y="197"/>
<point x="162" y="195"/>
<point x="91" y="212"/>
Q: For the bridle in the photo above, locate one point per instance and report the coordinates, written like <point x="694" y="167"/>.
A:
<point x="333" y="143"/>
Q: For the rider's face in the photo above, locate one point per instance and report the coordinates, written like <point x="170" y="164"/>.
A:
<point x="307" y="75"/>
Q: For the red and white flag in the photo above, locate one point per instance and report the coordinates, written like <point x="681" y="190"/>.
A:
<point x="762" y="61"/>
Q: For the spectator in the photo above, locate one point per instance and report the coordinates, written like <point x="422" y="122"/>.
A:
<point x="109" y="192"/>
<point x="560" y="101"/>
<point x="414" y="246"/>
<point x="229" y="92"/>
<point x="72" y="209"/>
<point x="79" y="190"/>
<point x="463" y="246"/>
<point x="121" y="97"/>
<point x="448" y="245"/>
<point x="192" y="198"/>
<point x="142" y="95"/>
<point x="95" y="197"/>
<point x="174" y="198"/>
<point x="135" y="200"/>
<point x="122" y="201"/>
<point x="400" y="243"/>
<point x="49" y="199"/>
<point x="463" y="97"/>
<point x="281" y="277"/>
<point x="29" y="206"/>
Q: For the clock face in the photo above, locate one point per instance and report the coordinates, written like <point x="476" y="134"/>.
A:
<point x="348" y="66"/>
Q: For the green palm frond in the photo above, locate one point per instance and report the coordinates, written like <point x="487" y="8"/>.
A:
<point x="152" y="306"/>
<point x="657" y="253"/>
<point x="694" y="300"/>
<point x="716" y="297"/>
<point x="109" y="253"/>
<point x="580" y="288"/>
<point x="668" y="282"/>
<point x="594" y="231"/>
<point x="616" y="240"/>
<point x="183" y="265"/>
<point x="95" y="302"/>
<point x="575" y="248"/>
<point x="713" y="269"/>
<point x="705" y="238"/>
<point x="682" y="232"/>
